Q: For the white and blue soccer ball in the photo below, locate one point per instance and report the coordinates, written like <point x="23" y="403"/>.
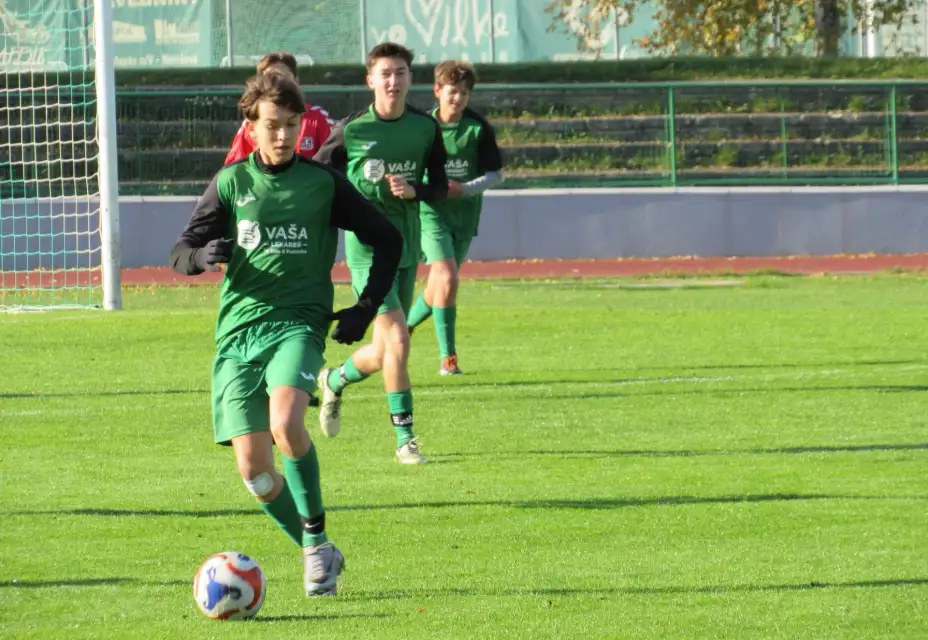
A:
<point x="229" y="586"/>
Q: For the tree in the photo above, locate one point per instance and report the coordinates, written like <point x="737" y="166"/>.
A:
<point x="828" y="26"/>
<point x="732" y="27"/>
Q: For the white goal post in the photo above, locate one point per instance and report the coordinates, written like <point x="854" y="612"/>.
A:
<point x="105" y="83"/>
<point x="59" y="182"/>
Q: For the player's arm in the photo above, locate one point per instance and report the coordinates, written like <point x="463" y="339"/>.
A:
<point x="437" y="187"/>
<point x="489" y="163"/>
<point x="353" y="212"/>
<point x="241" y="146"/>
<point x="203" y="243"/>
<point x="333" y="152"/>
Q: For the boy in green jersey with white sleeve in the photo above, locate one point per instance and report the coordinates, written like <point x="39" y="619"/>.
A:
<point x="387" y="151"/>
<point x="448" y="227"/>
<point x="273" y="219"/>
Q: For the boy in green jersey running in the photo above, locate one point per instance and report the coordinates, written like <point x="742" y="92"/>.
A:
<point x="448" y="228"/>
<point x="273" y="219"/>
<point x="386" y="151"/>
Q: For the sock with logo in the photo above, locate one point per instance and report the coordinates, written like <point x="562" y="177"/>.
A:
<point x="400" y="403"/>
<point x="303" y="476"/>
<point x="444" y="328"/>
<point x="419" y="313"/>
<point x="342" y="376"/>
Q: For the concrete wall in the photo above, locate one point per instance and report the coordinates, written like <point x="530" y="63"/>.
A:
<point x="49" y="233"/>
<point x="581" y="223"/>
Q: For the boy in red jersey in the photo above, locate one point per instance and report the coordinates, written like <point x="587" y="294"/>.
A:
<point x="315" y="125"/>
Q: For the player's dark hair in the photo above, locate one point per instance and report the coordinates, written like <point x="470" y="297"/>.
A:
<point x="455" y="72"/>
<point x="276" y="58"/>
<point x="389" y="50"/>
<point x="276" y="88"/>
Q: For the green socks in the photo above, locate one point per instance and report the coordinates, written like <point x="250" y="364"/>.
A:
<point x="444" y="323"/>
<point x="303" y="477"/>
<point x="344" y="375"/>
<point x="283" y="511"/>
<point x="419" y="313"/>
<point x="444" y="328"/>
<point x="400" y="403"/>
<point x="298" y="511"/>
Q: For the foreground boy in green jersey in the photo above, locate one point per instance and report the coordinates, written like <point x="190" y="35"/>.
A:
<point x="386" y="151"/>
<point x="448" y="228"/>
<point x="273" y="218"/>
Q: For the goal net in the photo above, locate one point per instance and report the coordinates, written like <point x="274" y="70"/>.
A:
<point x="58" y="191"/>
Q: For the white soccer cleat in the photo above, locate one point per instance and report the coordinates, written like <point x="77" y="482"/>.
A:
<point x="330" y="409"/>
<point x="409" y="453"/>
<point x="321" y="567"/>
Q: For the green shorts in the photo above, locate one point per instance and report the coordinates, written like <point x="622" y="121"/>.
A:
<point x="400" y="294"/>
<point x="441" y="244"/>
<point x="251" y="363"/>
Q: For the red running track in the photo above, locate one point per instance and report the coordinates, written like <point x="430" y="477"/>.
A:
<point x="518" y="269"/>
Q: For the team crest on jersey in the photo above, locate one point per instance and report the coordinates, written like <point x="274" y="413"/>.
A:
<point x="374" y="170"/>
<point x="249" y="234"/>
<point x="306" y="144"/>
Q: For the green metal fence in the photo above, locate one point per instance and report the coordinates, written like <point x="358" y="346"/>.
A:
<point x="584" y="135"/>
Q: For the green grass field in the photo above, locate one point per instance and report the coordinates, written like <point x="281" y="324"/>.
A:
<point x="623" y="460"/>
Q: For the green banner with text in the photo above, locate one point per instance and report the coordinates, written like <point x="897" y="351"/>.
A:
<point x="163" y="33"/>
<point x="38" y="37"/>
<point x="57" y="34"/>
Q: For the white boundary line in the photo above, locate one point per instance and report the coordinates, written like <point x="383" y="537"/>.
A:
<point x="530" y="391"/>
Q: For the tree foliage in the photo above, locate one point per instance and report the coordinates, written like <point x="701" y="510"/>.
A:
<point x="733" y="27"/>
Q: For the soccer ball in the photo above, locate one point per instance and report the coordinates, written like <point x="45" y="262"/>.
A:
<point x="229" y="586"/>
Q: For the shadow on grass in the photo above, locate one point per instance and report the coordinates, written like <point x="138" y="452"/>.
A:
<point x="104" y="394"/>
<point x="782" y="365"/>
<point x="318" y="617"/>
<point x="646" y="591"/>
<point x="683" y="453"/>
<point x="627" y="392"/>
<point x="142" y="513"/>
<point x="593" y="504"/>
<point x="313" y="400"/>
<point x="882" y="388"/>
<point x="675" y="370"/>
<point x="49" y="584"/>
<point x="454" y="592"/>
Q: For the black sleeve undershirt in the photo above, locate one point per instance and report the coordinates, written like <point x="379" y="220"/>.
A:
<point x="437" y="187"/>
<point x="209" y="221"/>
<point x="353" y="212"/>
<point x="489" y="157"/>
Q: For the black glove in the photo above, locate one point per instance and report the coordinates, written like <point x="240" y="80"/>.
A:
<point x="215" y="252"/>
<point x="353" y="322"/>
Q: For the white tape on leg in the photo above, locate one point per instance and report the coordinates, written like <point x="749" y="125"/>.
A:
<point x="262" y="485"/>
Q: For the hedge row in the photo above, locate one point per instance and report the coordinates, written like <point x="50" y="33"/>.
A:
<point x="638" y="70"/>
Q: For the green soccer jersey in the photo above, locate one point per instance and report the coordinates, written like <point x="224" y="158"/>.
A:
<point x="284" y="220"/>
<point x="472" y="152"/>
<point x="368" y="148"/>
